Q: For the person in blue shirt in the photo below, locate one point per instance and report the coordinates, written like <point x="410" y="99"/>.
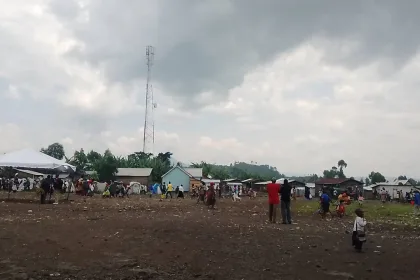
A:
<point x="325" y="204"/>
<point x="416" y="202"/>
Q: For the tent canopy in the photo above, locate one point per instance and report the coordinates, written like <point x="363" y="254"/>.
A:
<point x="28" y="158"/>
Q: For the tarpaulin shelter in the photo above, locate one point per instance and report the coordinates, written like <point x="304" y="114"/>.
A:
<point x="28" y="158"/>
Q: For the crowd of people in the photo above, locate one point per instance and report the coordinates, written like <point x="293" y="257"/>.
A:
<point x="206" y="193"/>
<point x="15" y="184"/>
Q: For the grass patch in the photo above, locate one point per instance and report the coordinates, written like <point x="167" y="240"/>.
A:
<point x="375" y="211"/>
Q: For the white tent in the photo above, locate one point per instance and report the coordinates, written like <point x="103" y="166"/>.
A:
<point x="28" y="158"/>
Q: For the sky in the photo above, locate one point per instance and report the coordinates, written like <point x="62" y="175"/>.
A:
<point x="294" y="84"/>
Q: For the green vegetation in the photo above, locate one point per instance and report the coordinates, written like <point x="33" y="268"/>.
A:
<point x="105" y="166"/>
<point x="375" y="211"/>
<point x="239" y="170"/>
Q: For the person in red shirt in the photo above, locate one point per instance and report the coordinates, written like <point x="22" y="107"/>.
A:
<point x="273" y="190"/>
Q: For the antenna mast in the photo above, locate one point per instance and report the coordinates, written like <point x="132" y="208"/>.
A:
<point x="149" y="126"/>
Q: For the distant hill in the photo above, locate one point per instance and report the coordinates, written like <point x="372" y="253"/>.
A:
<point x="264" y="171"/>
<point x="239" y="170"/>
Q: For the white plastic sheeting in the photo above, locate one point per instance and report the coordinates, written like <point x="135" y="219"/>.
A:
<point x="28" y="158"/>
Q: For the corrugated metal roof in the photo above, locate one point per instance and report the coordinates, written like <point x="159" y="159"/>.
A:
<point x="192" y="172"/>
<point x="389" y="185"/>
<point x="263" y="183"/>
<point x="402" y="182"/>
<point x="334" y="181"/>
<point x="248" y="180"/>
<point x="368" y="188"/>
<point x="134" y="172"/>
<point x="30" y="172"/>
<point x="230" y="180"/>
<point x="195" y="172"/>
<point x="210" y="181"/>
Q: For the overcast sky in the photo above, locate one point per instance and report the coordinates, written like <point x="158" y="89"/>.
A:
<point x="294" y="84"/>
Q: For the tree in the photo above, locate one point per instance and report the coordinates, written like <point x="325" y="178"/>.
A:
<point x="106" y="167"/>
<point x="238" y="170"/>
<point x="341" y="164"/>
<point x="376" y="177"/>
<point x="367" y="181"/>
<point x="160" y="164"/>
<point x="165" y="158"/>
<point x="94" y="176"/>
<point x="80" y="160"/>
<point x="55" y="150"/>
<point x="402" y="177"/>
<point x="208" y="169"/>
<point x="332" y="173"/>
<point x="93" y="157"/>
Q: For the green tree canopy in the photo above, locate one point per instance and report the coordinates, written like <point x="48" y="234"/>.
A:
<point x="55" y="150"/>
<point x="376" y="177"/>
<point x="238" y="170"/>
<point x="341" y="164"/>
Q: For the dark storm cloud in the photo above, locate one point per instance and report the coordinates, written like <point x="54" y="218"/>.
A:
<point x="210" y="45"/>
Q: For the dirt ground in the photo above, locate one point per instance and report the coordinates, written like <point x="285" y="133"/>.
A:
<point x="142" y="238"/>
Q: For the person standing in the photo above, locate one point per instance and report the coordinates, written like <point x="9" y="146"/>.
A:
<point x="201" y="194"/>
<point x="285" y="193"/>
<point x="383" y="195"/>
<point x="162" y="191"/>
<point x="16" y="183"/>
<point x="359" y="233"/>
<point x="294" y="194"/>
<point x="181" y="192"/>
<point x="273" y="190"/>
<point x="45" y="188"/>
<point x="416" y="202"/>
<point x="58" y="183"/>
<point x="211" y="196"/>
<point x="325" y="204"/>
<point x="170" y="190"/>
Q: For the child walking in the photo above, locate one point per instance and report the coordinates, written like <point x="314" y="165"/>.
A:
<point x="359" y="234"/>
<point x="340" y="209"/>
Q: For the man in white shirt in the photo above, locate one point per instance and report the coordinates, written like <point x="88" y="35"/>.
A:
<point x="181" y="192"/>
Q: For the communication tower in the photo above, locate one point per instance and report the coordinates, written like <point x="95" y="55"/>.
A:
<point x="149" y="124"/>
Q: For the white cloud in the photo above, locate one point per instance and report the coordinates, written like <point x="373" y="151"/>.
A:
<point x="349" y="116"/>
<point x="41" y="43"/>
<point x="67" y="140"/>
<point x="12" y="138"/>
<point x="133" y="142"/>
<point x="13" y="92"/>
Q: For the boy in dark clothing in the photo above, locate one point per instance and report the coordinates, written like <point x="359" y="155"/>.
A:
<point x="45" y="188"/>
<point x="325" y="204"/>
<point x="58" y="183"/>
<point x="416" y="202"/>
<point x="285" y="193"/>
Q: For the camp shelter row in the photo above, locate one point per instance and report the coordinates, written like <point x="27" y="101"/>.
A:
<point x="177" y="175"/>
<point x="393" y="189"/>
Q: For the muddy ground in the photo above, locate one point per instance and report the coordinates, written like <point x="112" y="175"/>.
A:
<point x="142" y="238"/>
